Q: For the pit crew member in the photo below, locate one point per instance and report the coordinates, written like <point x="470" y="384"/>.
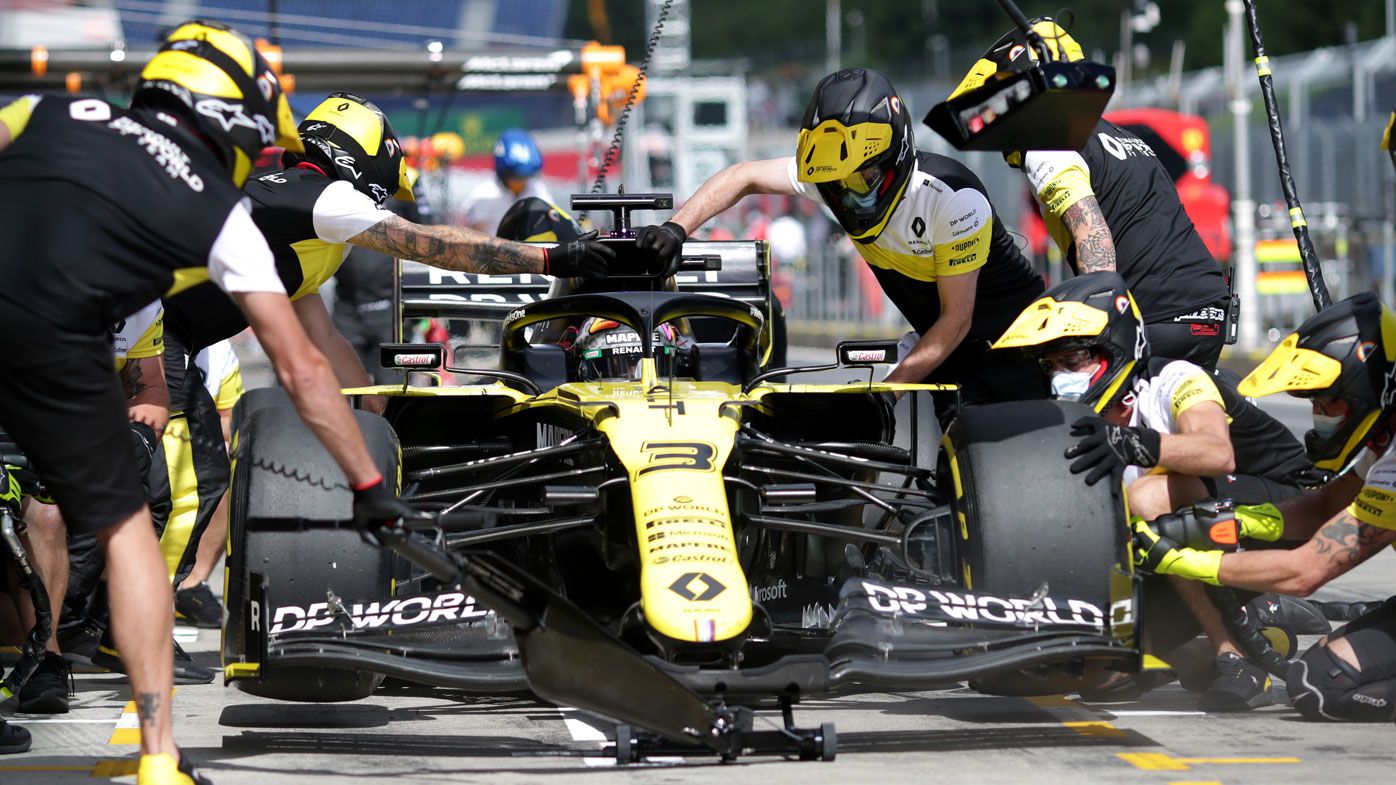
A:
<point x="517" y="162"/>
<point x="104" y="209"/>
<point x="328" y="199"/>
<point x="1112" y="206"/>
<point x="921" y="221"/>
<point x="1173" y="432"/>
<point x="1343" y="360"/>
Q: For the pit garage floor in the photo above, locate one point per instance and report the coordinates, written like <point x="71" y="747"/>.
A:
<point x="431" y="736"/>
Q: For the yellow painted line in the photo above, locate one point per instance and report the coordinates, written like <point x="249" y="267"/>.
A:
<point x="1063" y="709"/>
<point x="117" y="767"/>
<point x="1160" y="761"/>
<point x="103" y="769"/>
<point x="1097" y="729"/>
<point x="128" y="727"/>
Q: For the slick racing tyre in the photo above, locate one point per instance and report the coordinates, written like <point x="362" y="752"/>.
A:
<point x="1028" y="521"/>
<point x="288" y="501"/>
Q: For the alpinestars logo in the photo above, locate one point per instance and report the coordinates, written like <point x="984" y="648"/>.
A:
<point x="230" y="116"/>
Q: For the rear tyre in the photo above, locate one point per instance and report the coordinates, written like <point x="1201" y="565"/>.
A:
<point x="289" y="499"/>
<point x="1026" y="520"/>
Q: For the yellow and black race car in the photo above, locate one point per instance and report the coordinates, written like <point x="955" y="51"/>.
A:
<point x="636" y="518"/>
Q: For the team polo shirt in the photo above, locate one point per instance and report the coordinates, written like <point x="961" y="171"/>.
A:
<point x="945" y="226"/>
<point x="308" y="219"/>
<point x="139" y="336"/>
<point x="1158" y="251"/>
<point x="104" y="210"/>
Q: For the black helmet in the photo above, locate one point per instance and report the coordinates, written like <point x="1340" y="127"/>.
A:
<point x="856" y="147"/>
<point x="533" y="220"/>
<point x="1344" y="352"/>
<point x="214" y="76"/>
<point x="1092" y="311"/>
<point x="609" y="350"/>
<point x="1011" y="53"/>
<point x="351" y="137"/>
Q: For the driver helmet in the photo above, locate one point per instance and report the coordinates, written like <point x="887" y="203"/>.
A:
<point x="1093" y="312"/>
<point x="1011" y="53"/>
<point x="516" y="156"/>
<point x="856" y="147"/>
<point x="1342" y="355"/>
<point x="351" y="139"/>
<point x="213" y="76"/>
<point x="608" y="350"/>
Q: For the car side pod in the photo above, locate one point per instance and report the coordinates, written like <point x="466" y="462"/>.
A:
<point x="570" y="660"/>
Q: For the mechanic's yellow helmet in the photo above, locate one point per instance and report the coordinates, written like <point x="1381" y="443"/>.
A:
<point x="1092" y="311"/>
<point x="535" y="220"/>
<point x="856" y="147"/>
<point x="352" y="138"/>
<point x="1011" y="53"/>
<point x="212" y="74"/>
<point x="1345" y="352"/>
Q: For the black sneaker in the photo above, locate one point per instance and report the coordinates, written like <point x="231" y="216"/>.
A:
<point x="48" y="687"/>
<point x="13" y="739"/>
<point x="186" y="671"/>
<point x="79" y="643"/>
<point x="199" y="607"/>
<point x="1239" y="686"/>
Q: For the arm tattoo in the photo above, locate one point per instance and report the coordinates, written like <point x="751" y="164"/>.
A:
<point x="148" y="707"/>
<point x="1347" y="542"/>
<point x="1095" y="248"/>
<point x="450" y="247"/>
<point x="131" y="382"/>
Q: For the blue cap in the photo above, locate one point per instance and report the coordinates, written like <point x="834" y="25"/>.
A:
<point x="515" y="155"/>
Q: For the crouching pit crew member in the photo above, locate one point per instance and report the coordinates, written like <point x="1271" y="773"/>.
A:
<point x="1343" y="360"/>
<point x="921" y="221"/>
<point x="104" y="210"/>
<point x="1173" y="432"/>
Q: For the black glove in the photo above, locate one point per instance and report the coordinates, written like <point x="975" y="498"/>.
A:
<point x="580" y="258"/>
<point x="665" y="243"/>
<point x="377" y="508"/>
<point x="1107" y="449"/>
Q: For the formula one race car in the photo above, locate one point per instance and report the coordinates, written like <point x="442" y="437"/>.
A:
<point x="654" y="528"/>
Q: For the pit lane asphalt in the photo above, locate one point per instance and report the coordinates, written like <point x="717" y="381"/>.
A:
<point x="407" y="736"/>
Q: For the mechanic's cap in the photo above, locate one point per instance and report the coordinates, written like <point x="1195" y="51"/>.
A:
<point x="1346" y="351"/>
<point x="352" y="137"/>
<point x="856" y="147"/>
<point x="1092" y="311"/>
<point x="1011" y="53"/>
<point x="534" y="220"/>
<point x="229" y="90"/>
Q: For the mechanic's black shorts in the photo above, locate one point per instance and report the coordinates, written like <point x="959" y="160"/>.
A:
<point x="1373" y="639"/>
<point x="1198" y="341"/>
<point x="63" y="405"/>
<point x="1249" y="489"/>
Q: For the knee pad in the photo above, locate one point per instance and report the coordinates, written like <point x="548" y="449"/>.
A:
<point x="1323" y="687"/>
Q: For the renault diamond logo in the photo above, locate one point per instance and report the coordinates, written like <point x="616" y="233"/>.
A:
<point x="918" y="226"/>
<point x="707" y="585"/>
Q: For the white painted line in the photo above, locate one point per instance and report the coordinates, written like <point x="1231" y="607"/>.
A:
<point x="1152" y="713"/>
<point x="20" y="719"/>
<point x="584" y="731"/>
